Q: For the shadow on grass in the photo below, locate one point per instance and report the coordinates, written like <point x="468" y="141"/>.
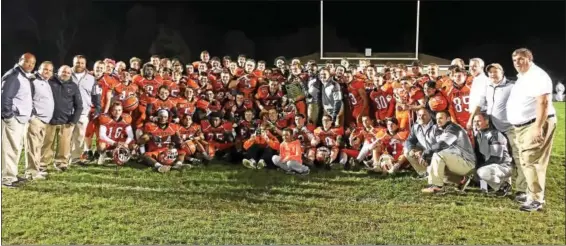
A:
<point x="178" y="198"/>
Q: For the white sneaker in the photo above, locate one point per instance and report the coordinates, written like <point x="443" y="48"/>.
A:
<point x="101" y="159"/>
<point x="249" y="163"/>
<point x="260" y="164"/>
<point x="37" y="176"/>
<point x="164" y="169"/>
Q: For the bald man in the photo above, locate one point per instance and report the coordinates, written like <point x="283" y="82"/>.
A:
<point x="66" y="114"/>
<point x="17" y="106"/>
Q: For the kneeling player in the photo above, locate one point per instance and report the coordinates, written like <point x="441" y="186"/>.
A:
<point x="329" y="138"/>
<point x="115" y="131"/>
<point x="161" y="139"/>
<point x="389" y="155"/>
<point x="192" y="142"/>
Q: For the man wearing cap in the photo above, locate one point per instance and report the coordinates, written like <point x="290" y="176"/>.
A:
<point x="495" y="101"/>
<point x="530" y="111"/>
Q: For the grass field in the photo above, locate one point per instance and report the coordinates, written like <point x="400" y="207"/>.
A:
<point x="227" y="204"/>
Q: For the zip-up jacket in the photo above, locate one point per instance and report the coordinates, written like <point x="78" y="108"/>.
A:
<point x="495" y="100"/>
<point x="17" y="95"/>
<point x="491" y="148"/>
<point x="68" y="102"/>
<point x="451" y="136"/>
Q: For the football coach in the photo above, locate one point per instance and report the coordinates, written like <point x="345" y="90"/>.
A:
<point x="530" y="111"/>
<point x="17" y="106"/>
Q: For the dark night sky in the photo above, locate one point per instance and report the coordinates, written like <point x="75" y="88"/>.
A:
<point x="448" y="29"/>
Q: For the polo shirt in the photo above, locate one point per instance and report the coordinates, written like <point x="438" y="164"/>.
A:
<point x="521" y="106"/>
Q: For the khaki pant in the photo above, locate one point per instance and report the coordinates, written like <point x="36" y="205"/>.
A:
<point x="63" y="155"/>
<point x="35" y="138"/>
<point x="448" y="165"/>
<point x="420" y="169"/>
<point x="79" y="145"/>
<point x="535" y="157"/>
<point x="520" y="182"/>
<point x="13" y="133"/>
<point x="313" y="113"/>
<point x="495" y="174"/>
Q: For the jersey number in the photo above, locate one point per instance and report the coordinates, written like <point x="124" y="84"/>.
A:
<point x="458" y="103"/>
<point x="117" y="133"/>
<point x="380" y="102"/>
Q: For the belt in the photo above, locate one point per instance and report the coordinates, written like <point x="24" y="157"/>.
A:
<point x="532" y="121"/>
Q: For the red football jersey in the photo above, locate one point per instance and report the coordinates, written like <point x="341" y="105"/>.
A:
<point x="116" y="130"/>
<point x="267" y="99"/>
<point x="354" y="97"/>
<point x="304" y="135"/>
<point x="216" y="134"/>
<point x="174" y="90"/>
<point x="383" y="104"/>
<point x="240" y="109"/>
<point x="106" y="83"/>
<point x="185" y="107"/>
<point x="329" y="137"/>
<point x="393" y="144"/>
<point x="245" y="128"/>
<point x="247" y="85"/>
<point x="459" y="103"/>
<point x="123" y="91"/>
<point x="374" y="134"/>
<point x="160" y="137"/>
<point x="191" y="131"/>
<point x="150" y="88"/>
<point x="158" y="104"/>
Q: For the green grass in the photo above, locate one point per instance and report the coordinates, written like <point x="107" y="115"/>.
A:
<point x="227" y="204"/>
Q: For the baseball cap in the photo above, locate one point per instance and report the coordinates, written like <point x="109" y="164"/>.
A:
<point x="496" y="65"/>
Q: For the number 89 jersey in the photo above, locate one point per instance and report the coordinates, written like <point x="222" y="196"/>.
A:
<point x="116" y="130"/>
<point x="459" y="103"/>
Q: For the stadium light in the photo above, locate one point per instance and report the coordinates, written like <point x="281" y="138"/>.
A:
<point x="416" y="57"/>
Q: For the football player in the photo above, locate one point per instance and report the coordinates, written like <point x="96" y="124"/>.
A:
<point x="370" y="135"/>
<point x="269" y="96"/>
<point x="357" y="99"/>
<point x="161" y="139"/>
<point x="436" y="101"/>
<point x="220" y="134"/>
<point x="235" y="109"/>
<point x="247" y="83"/>
<point x="329" y="138"/>
<point x="148" y="85"/>
<point x="115" y="130"/>
<point x="459" y="97"/>
<point x="125" y="89"/>
<point x="193" y="145"/>
<point x="163" y="101"/>
<point x="391" y="144"/>
<point x="274" y="122"/>
<point x="304" y="133"/>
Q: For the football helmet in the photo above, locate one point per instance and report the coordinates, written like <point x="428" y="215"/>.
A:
<point x="386" y="163"/>
<point x="121" y="155"/>
<point x="168" y="157"/>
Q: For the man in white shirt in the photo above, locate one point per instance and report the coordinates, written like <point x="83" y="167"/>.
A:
<point x="479" y="84"/>
<point x="530" y="111"/>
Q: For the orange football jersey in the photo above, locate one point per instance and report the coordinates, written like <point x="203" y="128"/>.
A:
<point x="459" y="98"/>
<point x="116" y="130"/>
<point x="160" y="137"/>
<point x="329" y="138"/>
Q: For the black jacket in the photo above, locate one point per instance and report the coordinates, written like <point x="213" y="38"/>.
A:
<point x="68" y="102"/>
